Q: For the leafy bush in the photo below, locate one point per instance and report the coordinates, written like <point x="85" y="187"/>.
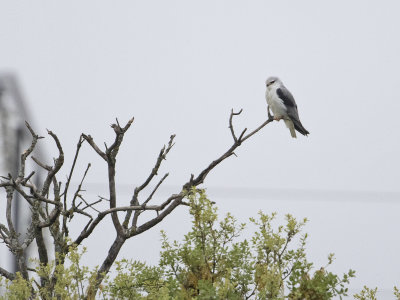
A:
<point x="210" y="263"/>
<point x="213" y="261"/>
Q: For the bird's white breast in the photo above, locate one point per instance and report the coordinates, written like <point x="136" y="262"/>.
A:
<point x="276" y="104"/>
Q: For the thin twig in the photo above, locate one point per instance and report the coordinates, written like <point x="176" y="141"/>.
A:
<point x="91" y="205"/>
<point x="135" y="201"/>
<point x="79" y="189"/>
<point x="78" y="147"/>
<point x="25" y="180"/>
<point x="162" y="156"/>
<point x="230" y="123"/>
<point x="138" y="212"/>
<point x="155" y="189"/>
<point x="27" y="152"/>
<point x="10" y="192"/>
<point x="57" y="164"/>
<point x="40" y="164"/>
<point x="96" y="148"/>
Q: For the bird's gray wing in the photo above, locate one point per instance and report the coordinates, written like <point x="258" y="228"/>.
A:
<point x="291" y="109"/>
<point x="288" y="100"/>
<point x="286" y="97"/>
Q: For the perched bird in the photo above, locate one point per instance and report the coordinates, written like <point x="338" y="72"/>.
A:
<point x="283" y="106"/>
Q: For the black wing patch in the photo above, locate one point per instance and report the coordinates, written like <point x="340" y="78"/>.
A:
<point x="287" y="97"/>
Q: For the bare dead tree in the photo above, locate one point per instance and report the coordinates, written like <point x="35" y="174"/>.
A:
<point x="53" y="207"/>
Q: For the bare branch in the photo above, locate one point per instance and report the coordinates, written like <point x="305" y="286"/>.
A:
<point x="35" y="195"/>
<point x="78" y="147"/>
<point x="4" y="230"/>
<point x="57" y="164"/>
<point x="201" y="177"/>
<point x="79" y="189"/>
<point x="162" y="156"/>
<point x="119" y="135"/>
<point x="80" y="211"/>
<point x="160" y="207"/>
<point x="116" y="120"/>
<point x="31" y="234"/>
<point x="25" y="180"/>
<point x="52" y="217"/>
<point x="135" y="201"/>
<point x="56" y="211"/>
<point x="42" y="216"/>
<point x="12" y="238"/>
<point x="4" y="234"/>
<point x="91" y="205"/>
<point x="107" y="263"/>
<point x="257" y="129"/>
<point x="176" y="200"/>
<point x="92" y="224"/>
<point x="28" y="151"/>
<point x="113" y="196"/>
<point x="96" y="148"/>
<point x="156" y="220"/>
<point x="10" y="224"/>
<point x="7" y="274"/>
<point x="155" y="189"/>
<point x="173" y="197"/>
<point x="40" y="164"/>
<point x="65" y="193"/>
<point x="241" y="135"/>
<point x="102" y="198"/>
<point x="230" y="123"/>
<point x="109" y="156"/>
<point x="136" y="207"/>
<point x="41" y="245"/>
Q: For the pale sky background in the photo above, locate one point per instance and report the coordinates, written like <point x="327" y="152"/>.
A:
<point x="180" y="66"/>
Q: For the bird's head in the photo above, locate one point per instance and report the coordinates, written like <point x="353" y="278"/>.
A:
<point x="271" y="81"/>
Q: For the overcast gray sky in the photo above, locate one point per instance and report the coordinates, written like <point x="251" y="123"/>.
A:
<point x="180" y="66"/>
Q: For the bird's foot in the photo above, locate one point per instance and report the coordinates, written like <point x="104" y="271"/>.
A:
<point x="278" y="118"/>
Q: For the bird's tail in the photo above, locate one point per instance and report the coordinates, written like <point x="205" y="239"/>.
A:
<point x="300" y="128"/>
<point x="291" y="126"/>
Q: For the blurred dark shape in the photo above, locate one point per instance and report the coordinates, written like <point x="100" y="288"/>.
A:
<point x="14" y="137"/>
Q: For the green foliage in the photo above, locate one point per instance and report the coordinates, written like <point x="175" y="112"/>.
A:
<point x="366" y="294"/>
<point x="370" y="294"/>
<point x="211" y="262"/>
<point x="396" y="293"/>
<point x="59" y="281"/>
<point x="133" y="279"/>
<point x="17" y="289"/>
